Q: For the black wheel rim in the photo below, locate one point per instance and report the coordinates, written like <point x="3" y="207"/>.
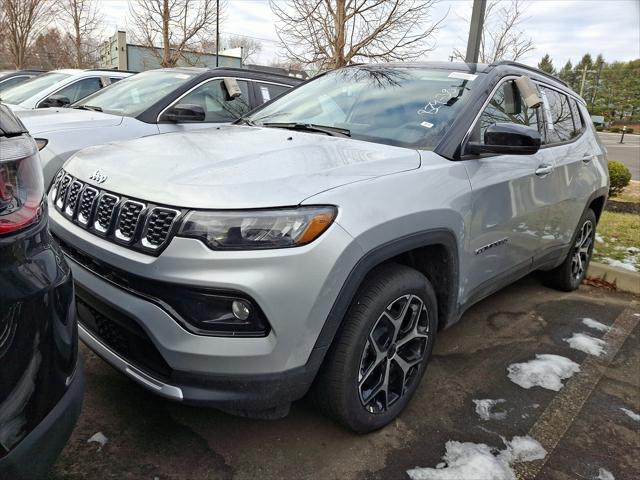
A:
<point x="393" y="354"/>
<point x="582" y="250"/>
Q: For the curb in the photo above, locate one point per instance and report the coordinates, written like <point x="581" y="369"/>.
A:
<point x="623" y="280"/>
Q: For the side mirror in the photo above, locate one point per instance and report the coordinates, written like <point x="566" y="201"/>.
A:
<point x="184" y="112"/>
<point x="55" y="101"/>
<point x="507" y="138"/>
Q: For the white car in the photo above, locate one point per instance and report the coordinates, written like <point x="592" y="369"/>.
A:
<point x="149" y="103"/>
<point x="59" y="88"/>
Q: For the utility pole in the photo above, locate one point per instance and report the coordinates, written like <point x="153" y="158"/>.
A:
<point x="584" y="77"/>
<point x="475" y="31"/>
<point x="217" y="33"/>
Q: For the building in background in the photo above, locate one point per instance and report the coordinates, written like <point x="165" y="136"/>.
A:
<point x="117" y="54"/>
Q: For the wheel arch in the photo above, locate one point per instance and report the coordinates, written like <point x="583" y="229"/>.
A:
<point x="433" y="252"/>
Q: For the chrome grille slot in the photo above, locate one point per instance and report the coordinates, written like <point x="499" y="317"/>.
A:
<point x="62" y="191"/>
<point x="55" y="184"/>
<point x="104" y="212"/>
<point x="158" y="227"/>
<point x="85" y="208"/>
<point x="128" y="219"/>
<point x="72" y="198"/>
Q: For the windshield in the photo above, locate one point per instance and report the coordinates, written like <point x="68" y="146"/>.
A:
<point x="403" y="106"/>
<point x="133" y="95"/>
<point x="28" y="89"/>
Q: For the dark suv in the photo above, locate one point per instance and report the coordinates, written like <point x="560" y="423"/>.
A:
<point x="41" y="381"/>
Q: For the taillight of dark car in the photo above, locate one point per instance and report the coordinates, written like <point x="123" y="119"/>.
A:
<point x="21" y="184"/>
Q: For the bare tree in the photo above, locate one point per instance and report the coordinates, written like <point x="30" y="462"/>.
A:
<point x="23" y="20"/>
<point x="250" y="47"/>
<point x="334" y="33"/>
<point x="84" y="19"/>
<point x="176" y="26"/>
<point x="502" y="37"/>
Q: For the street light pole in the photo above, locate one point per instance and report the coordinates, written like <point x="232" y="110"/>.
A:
<point x="475" y="31"/>
<point x="217" y="32"/>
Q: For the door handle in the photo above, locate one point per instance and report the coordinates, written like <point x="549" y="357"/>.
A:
<point x="587" y="157"/>
<point x="544" y="170"/>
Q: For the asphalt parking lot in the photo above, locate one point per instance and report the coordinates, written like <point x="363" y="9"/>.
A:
<point x="582" y="427"/>
<point x="627" y="152"/>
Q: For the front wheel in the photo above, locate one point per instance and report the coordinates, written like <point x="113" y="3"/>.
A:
<point x="568" y="276"/>
<point x="380" y="354"/>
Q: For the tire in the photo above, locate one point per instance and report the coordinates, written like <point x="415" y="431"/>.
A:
<point x="389" y="328"/>
<point x="568" y="276"/>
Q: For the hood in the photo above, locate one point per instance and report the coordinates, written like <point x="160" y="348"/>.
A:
<point x="16" y="108"/>
<point x="236" y="166"/>
<point x="44" y="120"/>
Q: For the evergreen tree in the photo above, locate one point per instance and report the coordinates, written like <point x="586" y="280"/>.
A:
<point x="546" y="65"/>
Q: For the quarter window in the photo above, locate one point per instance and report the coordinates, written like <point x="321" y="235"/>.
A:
<point x="558" y="117"/>
<point x="268" y="91"/>
<point x="506" y="106"/>
<point x="218" y="107"/>
<point x="578" y="124"/>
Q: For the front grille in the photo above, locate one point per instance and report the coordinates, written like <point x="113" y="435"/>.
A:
<point x="140" y="226"/>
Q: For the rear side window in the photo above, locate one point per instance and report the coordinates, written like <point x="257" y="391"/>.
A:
<point x="558" y="117"/>
<point x="506" y="106"/>
<point x="268" y="91"/>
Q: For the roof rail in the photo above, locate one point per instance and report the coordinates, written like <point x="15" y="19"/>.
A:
<point x="527" y="67"/>
<point x="110" y="70"/>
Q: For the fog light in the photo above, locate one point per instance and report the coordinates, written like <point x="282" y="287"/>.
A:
<point x="241" y="309"/>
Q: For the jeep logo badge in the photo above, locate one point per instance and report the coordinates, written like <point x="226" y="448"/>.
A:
<point x="98" y="177"/>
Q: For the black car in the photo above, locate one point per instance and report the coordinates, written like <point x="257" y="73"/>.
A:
<point x="10" y="78"/>
<point x="41" y="379"/>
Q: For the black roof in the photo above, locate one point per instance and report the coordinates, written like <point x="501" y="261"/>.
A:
<point x="237" y="72"/>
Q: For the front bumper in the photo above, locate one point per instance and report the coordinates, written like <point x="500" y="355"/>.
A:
<point x="295" y="288"/>
<point x="35" y="454"/>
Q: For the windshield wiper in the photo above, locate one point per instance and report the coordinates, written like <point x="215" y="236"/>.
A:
<point x="88" y="107"/>
<point x="310" y="127"/>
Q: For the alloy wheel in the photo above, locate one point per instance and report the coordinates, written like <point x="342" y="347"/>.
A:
<point x="582" y="250"/>
<point x="393" y="354"/>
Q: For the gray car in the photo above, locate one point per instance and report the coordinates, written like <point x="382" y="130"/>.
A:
<point x="321" y="243"/>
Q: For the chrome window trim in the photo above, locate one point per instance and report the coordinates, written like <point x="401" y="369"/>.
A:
<point x="175" y="102"/>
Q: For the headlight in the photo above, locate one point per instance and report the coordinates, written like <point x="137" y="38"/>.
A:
<point x="41" y="142"/>
<point x="258" y="229"/>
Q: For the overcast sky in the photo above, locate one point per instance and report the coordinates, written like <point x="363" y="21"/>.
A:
<point x="565" y="29"/>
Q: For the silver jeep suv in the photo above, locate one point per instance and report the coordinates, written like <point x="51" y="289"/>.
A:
<point x="321" y="242"/>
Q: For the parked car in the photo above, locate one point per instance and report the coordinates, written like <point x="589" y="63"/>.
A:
<point x="41" y="380"/>
<point x="59" y="88"/>
<point x="10" y="78"/>
<point x="323" y="241"/>
<point x="152" y="102"/>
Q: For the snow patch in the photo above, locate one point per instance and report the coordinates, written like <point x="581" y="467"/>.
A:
<point x="591" y="323"/>
<point x="484" y="407"/>
<point x="599" y="238"/>
<point x="100" y="439"/>
<point x="631" y="414"/>
<point x="476" y="460"/>
<point x="586" y="343"/>
<point x="546" y="371"/>
<point x="604" y="474"/>
<point x="626" y="264"/>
